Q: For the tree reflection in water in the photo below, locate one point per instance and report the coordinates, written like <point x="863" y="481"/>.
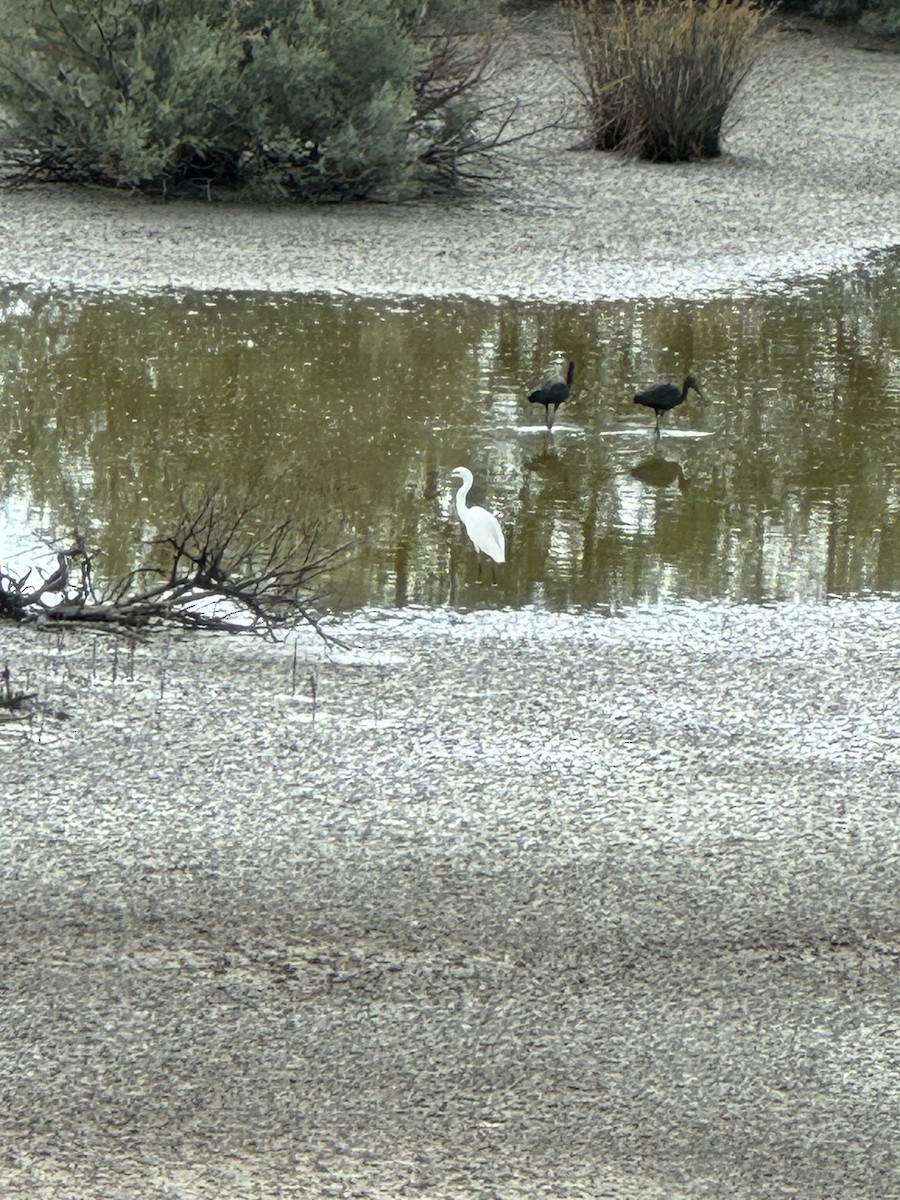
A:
<point x="112" y="409"/>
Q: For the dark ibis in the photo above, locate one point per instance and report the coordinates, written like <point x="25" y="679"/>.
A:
<point x="663" y="396"/>
<point x="553" y="393"/>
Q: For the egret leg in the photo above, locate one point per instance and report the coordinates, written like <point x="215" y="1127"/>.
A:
<point x="493" y="568"/>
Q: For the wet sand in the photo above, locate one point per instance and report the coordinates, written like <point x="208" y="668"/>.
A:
<point x="521" y="905"/>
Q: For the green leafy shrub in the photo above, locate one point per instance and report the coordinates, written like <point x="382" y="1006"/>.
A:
<point x="881" y="16"/>
<point x="309" y="98"/>
<point x="661" y="74"/>
<point x="876" y="16"/>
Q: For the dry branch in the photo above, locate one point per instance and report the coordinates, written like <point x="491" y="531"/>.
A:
<point x="12" y="703"/>
<point x="216" y="571"/>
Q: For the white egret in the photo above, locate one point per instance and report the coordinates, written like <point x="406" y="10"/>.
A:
<point x="482" y="527"/>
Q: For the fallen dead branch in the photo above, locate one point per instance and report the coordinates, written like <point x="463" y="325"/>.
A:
<point x="216" y="571"/>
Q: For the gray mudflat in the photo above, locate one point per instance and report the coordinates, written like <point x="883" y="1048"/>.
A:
<point x="524" y="905"/>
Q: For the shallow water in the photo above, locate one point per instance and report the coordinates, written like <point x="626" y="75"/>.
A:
<point x="785" y="484"/>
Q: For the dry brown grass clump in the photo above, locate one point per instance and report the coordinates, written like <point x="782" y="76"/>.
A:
<point x="660" y="75"/>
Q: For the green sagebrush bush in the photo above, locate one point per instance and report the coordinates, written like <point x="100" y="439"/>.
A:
<point x="307" y="98"/>
<point x="660" y="75"/>
<point x="881" y="16"/>
<point x="875" y="16"/>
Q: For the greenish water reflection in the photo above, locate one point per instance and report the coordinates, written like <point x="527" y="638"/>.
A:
<point x="786" y="484"/>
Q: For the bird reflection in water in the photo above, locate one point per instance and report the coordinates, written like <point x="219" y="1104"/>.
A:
<point x="546" y="464"/>
<point x="660" y="472"/>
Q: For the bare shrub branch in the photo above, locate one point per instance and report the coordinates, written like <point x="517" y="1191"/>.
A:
<point x="215" y="571"/>
<point x="12" y="704"/>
